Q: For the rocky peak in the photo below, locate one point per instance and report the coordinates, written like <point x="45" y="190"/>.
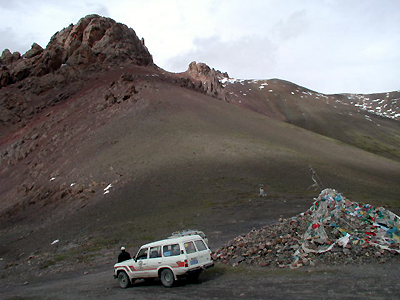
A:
<point x="209" y="78"/>
<point x="7" y="57"/>
<point x="94" y="41"/>
<point x="201" y="70"/>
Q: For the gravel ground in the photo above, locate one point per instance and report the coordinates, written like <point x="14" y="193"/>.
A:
<point x="368" y="281"/>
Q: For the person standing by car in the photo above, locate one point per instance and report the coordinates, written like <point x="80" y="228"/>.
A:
<point x="124" y="255"/>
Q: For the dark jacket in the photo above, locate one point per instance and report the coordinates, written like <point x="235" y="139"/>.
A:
<point x="123" y="256"/>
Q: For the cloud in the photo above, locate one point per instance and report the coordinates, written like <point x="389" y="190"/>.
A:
<point x="39" y="20"/>
<point x="308" y="42"/>
<point x="6" y="4"/>
<point x="293" y="26"/>
<point x="9" y="37"/>
<point x="247" y="57"/>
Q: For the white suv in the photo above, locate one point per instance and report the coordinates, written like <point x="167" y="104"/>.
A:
<point x="169" y="260"/>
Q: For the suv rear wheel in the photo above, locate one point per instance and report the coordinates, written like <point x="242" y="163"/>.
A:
<point x="167" y="278"/>
<point x="123" y="280"/>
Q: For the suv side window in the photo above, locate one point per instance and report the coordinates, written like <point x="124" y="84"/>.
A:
<point x="155" y="252"/>
<point x="200" y="245"/>
<point x="142" y="253"/>
<point x="171" y="250"/>
<point x="189" y="247"/>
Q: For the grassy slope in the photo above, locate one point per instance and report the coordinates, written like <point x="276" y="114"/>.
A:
<point x="328" y="115"/>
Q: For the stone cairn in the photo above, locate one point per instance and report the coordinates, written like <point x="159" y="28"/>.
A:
<point x="333" y="230"/>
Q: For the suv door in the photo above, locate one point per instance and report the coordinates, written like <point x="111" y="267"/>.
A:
<point x="142" y="262"/>
<point x="172" y="256"/>
<point x="203" y="253"/>
<point x="154" y="261"/>
<point x="191" y="252"/>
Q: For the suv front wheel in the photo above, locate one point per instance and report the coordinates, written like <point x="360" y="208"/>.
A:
<point x="123" y="280"/>
<point x="167" y="278"/>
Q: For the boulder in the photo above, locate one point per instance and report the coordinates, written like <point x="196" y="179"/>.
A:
<point x="16" y="56"/>
<point x="5" y="77"/>
<point x="36" y="49"/>
<point x="96" y="30"/>
<point x="60" y="37"/>
<point x="74" y="33"/>
<point x="6" y="57"/>
<point x="120" y="44"/>
<point x="50" y="60"/>
<point x="82" y="57"/>
<point x="21" y="70"/>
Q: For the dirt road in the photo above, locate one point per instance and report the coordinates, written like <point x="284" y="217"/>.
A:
<point x="376" y="281"/>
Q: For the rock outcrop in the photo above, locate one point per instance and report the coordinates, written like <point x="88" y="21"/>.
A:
<point x="94" y="41"/>
<point x="35" y="50"/>
<point x="208" y="79"/>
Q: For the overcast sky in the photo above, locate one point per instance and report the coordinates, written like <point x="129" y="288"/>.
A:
<point x="330" y="46"/>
